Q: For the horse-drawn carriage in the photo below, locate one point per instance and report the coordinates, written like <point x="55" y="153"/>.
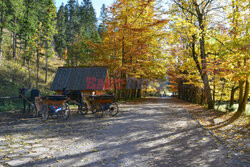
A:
<point x="76" y="86"/>
<point x="54" y="106"/>
<point x="102" y="103"/>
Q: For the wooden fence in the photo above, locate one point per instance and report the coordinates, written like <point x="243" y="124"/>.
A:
<point x="6" y="100"/>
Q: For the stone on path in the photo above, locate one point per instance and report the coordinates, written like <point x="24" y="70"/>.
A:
<point x="13" y="155"/>
<point x="41" y="149"/>
<point x="21" y="151"/>
<point x="14" y="145"/>
<point x="34" y="154"/>
<point x="30" y="141"/>
<point x="37" y="145"/>
<point x="4" y="143"/>
<point x="18" y="162"/>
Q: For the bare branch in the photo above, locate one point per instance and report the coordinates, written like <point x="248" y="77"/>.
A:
<point x="221" y="7"/>
<point x="202" y="2"/>
<point x="180" y="6"/>
<point x="208" y="2"/>
<point x="223" y="44"/>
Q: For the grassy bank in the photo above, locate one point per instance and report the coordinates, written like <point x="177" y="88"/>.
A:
<point x="15" y="75"/>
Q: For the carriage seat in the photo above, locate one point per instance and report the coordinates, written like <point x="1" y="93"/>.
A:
<point x="55" y="98"/>
<point x="102" y="97"/>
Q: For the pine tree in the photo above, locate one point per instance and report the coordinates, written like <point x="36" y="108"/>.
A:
<point x="73" y="21"/>
<point x="85" y="29"/>
<point x="29" y="25"/>
<point x="87" y="19"/>
<point x="60" y="38"/>
<point x="15" y="15"/>
<point x="49" y="27"/>
<point x="103" y="17"/>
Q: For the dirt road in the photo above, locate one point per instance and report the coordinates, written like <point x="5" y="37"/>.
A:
<point x="157" y="132"/>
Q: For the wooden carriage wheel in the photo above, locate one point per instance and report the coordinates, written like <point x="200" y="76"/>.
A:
<point x="113" y="109"/>
<point x="66" y="111"/>
<point x="83" y="108"/>
<point x="98" y="110"/>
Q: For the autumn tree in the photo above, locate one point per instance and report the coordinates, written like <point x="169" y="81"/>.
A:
<point x="132" y="43"/>
<point x="237" y="50"/>
<point x="208" y="45"/>
<point x="195" y="15"/>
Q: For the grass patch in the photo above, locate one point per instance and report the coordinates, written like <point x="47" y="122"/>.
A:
<point x="10" y="106"/>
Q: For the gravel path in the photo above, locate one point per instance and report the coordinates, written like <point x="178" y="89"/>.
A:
<point x="154" y="133"/>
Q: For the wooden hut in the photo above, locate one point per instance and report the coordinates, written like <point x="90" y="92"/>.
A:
<point x="84" y="79"/>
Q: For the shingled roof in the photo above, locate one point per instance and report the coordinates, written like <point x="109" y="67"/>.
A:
<point x="75" y="78"/>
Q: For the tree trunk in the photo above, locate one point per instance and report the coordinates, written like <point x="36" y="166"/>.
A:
<point x="46" y="68"/>
<point x="25" y="51"/>
<point x="1" y="34"/>
<point x="139" y="87"/>
<point x="233" y="90"/>
<point x="1" y="39"/>
<point x="202" y="70"/>
<point x="207" y="91"/>
<point x="123" y="75"/>
<point x="37" y="68"/>
<point x="241" y="87"/>
<point x="14" y="42"/>
<point x="214" y="90"/>
<point x="14" y="46"/>
<point x="46" y="65"/>
<point x="243" y="96"/>
<point x="244" y="102"/>
<point x="204" y="75"/>
<point x="29" y="74"/>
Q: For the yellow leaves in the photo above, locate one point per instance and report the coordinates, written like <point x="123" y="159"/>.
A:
<point x="240" y="144"/>
<point x="238" y="136"/>
<point x="132" y="42"/>
<point x="51" y="156"/>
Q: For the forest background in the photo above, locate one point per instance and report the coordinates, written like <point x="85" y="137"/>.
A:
<point x="200" y="46"/>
